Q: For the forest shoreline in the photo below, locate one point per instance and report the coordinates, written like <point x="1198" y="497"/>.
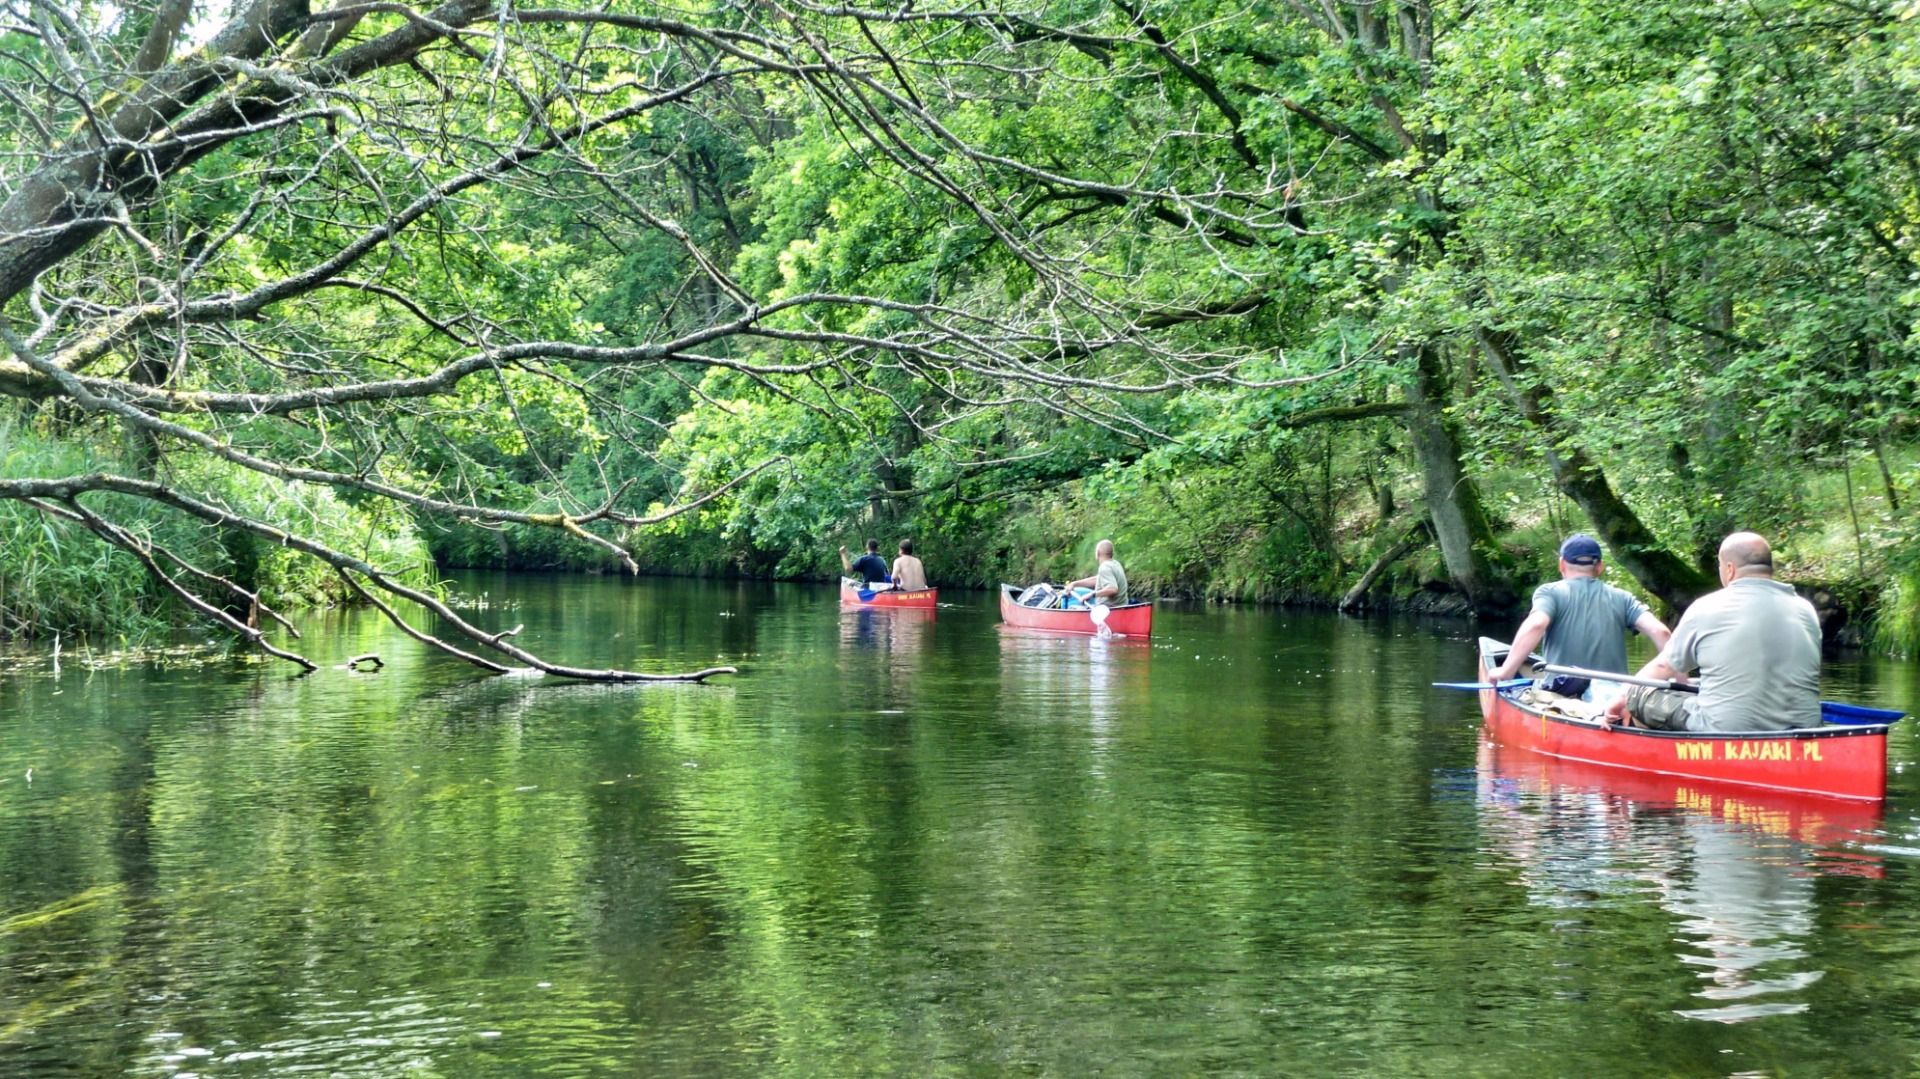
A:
<point x="1845" y="608"/>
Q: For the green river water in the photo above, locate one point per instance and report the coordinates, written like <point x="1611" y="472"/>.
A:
<point x="898" y="844"/>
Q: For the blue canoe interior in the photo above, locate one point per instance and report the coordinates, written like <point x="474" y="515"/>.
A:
<point x="1836" y="712"/>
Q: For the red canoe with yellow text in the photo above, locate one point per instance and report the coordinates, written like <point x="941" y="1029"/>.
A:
<point x="918" y="598"/>
<point x="1127" y="620"/>
<point x="1839" y="760"/>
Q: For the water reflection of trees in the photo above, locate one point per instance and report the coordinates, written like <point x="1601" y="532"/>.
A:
<point x="330" y="875"/>
<point x="1736" y="869"/>
<point x="1056" y="859"/>
<point x="883" y="655"/>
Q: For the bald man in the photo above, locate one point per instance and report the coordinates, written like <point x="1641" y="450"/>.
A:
<point x="1109" y="582"/>
<point x="1756" y="644"/>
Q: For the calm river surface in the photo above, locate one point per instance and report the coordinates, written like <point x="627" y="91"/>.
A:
<point x="910" y="845"/>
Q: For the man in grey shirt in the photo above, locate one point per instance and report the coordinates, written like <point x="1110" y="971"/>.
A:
<point x="1583" y="620"/>
<point x="1756" y="644"/>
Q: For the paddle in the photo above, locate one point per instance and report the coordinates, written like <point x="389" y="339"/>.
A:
<point x="1626" y="679"/>
<point x="1834" y="712"/>
<point x="1508" y="684"/>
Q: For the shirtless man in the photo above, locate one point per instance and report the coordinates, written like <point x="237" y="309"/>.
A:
<point x="908" y="574"/>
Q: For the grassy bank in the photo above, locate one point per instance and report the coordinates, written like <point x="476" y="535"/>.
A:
<point x="58" y="578"/>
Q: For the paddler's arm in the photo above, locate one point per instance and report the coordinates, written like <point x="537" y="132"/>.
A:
<point x="1653" y="630"/>
<point x="1525" y="640"/>
<point x="846" y="564"/>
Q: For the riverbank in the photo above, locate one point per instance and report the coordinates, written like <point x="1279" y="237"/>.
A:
<point x="1234" y="551"/>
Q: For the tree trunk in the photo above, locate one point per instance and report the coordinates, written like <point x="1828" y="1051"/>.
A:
<point x="1669" y="577"/>
<point x="1722" y="455"/>
<point x="1416" y="537"/>
<point x="1467" y="546"/>
<point x="1886" y="475"/>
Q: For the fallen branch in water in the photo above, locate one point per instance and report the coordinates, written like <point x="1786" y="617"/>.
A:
<point x="60" y="498"/>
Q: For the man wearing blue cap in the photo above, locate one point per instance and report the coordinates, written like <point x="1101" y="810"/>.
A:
<point x="1583" y="620"/>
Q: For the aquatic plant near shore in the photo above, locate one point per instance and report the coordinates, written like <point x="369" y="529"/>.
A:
<point x="1896" y="625"/>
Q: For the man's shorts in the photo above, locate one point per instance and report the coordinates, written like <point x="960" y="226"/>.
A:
<point x="1662" y="709"/>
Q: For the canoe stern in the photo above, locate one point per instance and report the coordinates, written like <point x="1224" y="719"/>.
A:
<point x="917" y="599"/>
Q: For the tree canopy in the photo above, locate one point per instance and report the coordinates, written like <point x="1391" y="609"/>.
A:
<point x="1270" y="287"/>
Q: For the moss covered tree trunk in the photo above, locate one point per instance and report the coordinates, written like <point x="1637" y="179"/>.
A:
<point x="1674" y="580"/>
<point x="1460" y="526"/>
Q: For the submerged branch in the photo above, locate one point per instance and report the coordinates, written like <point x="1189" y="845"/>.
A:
<point x="67" y="490"/>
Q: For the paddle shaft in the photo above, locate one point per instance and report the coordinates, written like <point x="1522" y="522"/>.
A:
<point x="1511" y="683"/>
<point x="1628" y="679"/>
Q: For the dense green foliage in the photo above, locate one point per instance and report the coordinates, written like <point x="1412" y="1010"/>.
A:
<point x="57" y="579"/>
<point x="1697" y="220"/>
<point x="1494" y="271"/>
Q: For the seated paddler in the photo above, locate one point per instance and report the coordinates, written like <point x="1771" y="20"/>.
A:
<point x="1755" y="644"/>
<point x="1582" y="621"/>
<point x="869" y="569"/>
<point x="909" y="573"/>
<point x="1109" y="580"/>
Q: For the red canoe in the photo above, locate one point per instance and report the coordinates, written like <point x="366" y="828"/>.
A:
<point x="1837" y="760"/>
<point x="1128" y="620"/>
<point x="919" y="598"/>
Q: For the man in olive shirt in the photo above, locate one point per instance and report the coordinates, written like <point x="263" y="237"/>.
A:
<point x="1756" y="644"/>
<point x="1584" y="622"/>
<point x="1109" y="582"/>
